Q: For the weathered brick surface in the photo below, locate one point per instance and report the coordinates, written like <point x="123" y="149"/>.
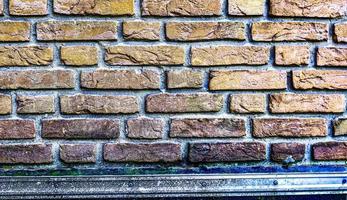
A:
<point x="26" y="154"/>
<point x="78" y="153"/>
<point x="340" y="127"/>
<point x="17" y="129"/>
<point x="332" y="56"/>
<point x="247" y="103"/>
<point x="35" y="104"/>
<point x="246" y="8"/>
<point x="287" y="152"/>
<point x="25" y="55"/>
<point x="340" y="32"/>
<point x="184" y="79"/>
<point x="330" y="151"/>
<point x="14" y="31"/>
<point x="5" y="104"/>
<point x="292" y="55"/>
<point x="1" y="7"/>
<point x="320" y="79"/>
<point x="145" y="128"/>
<point x="79" y="55"/>
<point x="28" y="7"/>
<point x="141" y="30"/>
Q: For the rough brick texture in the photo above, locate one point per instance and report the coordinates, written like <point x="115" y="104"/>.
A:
<point x="35" y="104"/>
<point x="287" y="153"/>
<point x="17" y="129"/>
<point x="26" y="154"/>
<point x="78" y="153"/>
<point x="28" y="7"/>
<point x="79" y="55"/>
<point x="145" y="128"/>
<point x="330" y="151"/>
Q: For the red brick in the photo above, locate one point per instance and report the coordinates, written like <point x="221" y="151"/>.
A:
<point x="330" y="151"/>
<point x="287" y="152"/>
<point x="145" y="128"/>
<point x="26" y="154"/>
<point x="78" y="153"/>
<point x="17" y="129"/>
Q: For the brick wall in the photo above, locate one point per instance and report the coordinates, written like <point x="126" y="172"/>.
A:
<point x="95" y="83"/>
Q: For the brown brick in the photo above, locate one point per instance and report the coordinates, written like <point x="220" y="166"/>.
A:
<point x="340" y="127"/>
<point x="195" y="31"/>
<point x="145" y="128"/>
<point x="28" y="7"/>
<point x="289" y="127"/>
<point x="248" y="80"/>
<point x="307" y="103"/>
<point x="332" y="56"/>
<point x="26" y="154"/>
<point x="289" y="31"/>
<point x="144" y="55"/>
<point x="247" y="103"/>
<point x="17" y="129"/>
<point x="230" y="55"/>
<point x="5" y="104"/>
<point x="121" y="79"/>
<point x="79" y="55"/>
<point x="287" y="152"/>
<point x="35" y="104"/>
<point x="181" y="8"/>
<point x="25" y="55"/>
<point x="340" y="32"/>
<point x="227" y="152"/>
<point x="143" y="153"/>
<point x="184" y="79"/>
<point x="308" y="8"/>
<point x="97" y="104"/>
<point x="207" y="128"/>
<point x="292" y="55"/>
<point x="141" y="30"/>
<point x="94" y="7"/>
<point x="246" y="8"/>
<point x="37" y="79"/>
<point x="320" y="79"/>
<point x="12" y="31"/>
<point x="78" y="153"/>
<point x="330" y="151"/>
<point x="179" y="103"/>
<point x="80" y="128"/>
<point x="76" y="30"/>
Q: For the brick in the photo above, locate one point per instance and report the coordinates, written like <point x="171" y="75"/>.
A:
<point x="246" y="8"/>
<point x="144" y="55"/>
<point x="79" y="55"/>
<point x="80" y="128"/>
<point x="28" y="7"/>
<point x="227" y="152"/>
<point x="247" y="103"/>
<point x="17" y="129"/>
<point x="25" y="55"/>
<point x="307" y="103"/>
<point x="289" y="127"/>
<point x="121" y="79"/>
<point x="94" y="7"/>
<point x="78" y="153"/>
<point x="35" y="104"/>
<point x="184" y="79"/>
<point x="13" y="31"/>
<point x="207" y="128"/>
<point x="230" y="55"/>
<point x="26" y="154"/>
<point x="308" y="8"/>
<point x="332" y="56"/>
<point x="141" y="30"/>
<point x="195" y="31"/>
<point x="330" y="151"/>
<point x="320" y="79"/>
<point x="98" y="104"/>
<point x="292" y="55"/>
<point x="145" y="128"/>
<point x="340" y="127"/>
<point x="287" y="152"/>
<point x="248" y="80"/>
<point x="37" y="79"/>
<point x="180" y="103"/>
<point x="76" y="30"/>
<point x="5" y="104"/>
<point x="1" y="7"/>
<point x="289" y="31"/>
<point x="143" y="153"/>
<point x="340" y="32"/>
<point x="181" y="8"/>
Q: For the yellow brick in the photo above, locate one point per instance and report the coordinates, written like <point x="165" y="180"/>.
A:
<point x="79" y="55"/>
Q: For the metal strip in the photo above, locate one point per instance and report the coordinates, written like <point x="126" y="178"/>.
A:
<point x="171" y="185"/>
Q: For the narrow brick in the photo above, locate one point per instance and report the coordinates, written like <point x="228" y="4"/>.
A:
<point x="25" y="55"/>
<point x="320" y="79"/>
<point x="121" y="79"/>
<point x="17" y="129"/>
<point x="227" y="152"/>
<point x="141" y="30"/>
<point x="181" y="8"/>
<point x="207" y="128"/>
<point x="80" y="128"/>
<point x="230" y="55"/>
<point x="330" y="151"/>
<point x="5" y="104"/>
<point x="292" y="55"/>
<point x="246" y="8"/>
<point x="26" y="154"/>
<point x="289" y="127"/>
<point x="248" y="80"/>
<point x="184" y="79"/>
<point x="289" y="31"/>
<point x="79" y="55"/>
<point x="144" y="55"/>
<point x="332" y="56"/>
<point x="247" y="103"/>
<point x="13" y="31"/>
<point x="340" y="127"/>
<point x="307" y="103"/>
<point x="145" y="128"/>
<point x="37" y="79"/>
<point x="76" y="30"/>
<point x="143" y="153"/>
<point x="35" y="104"/>
<point x="98" y="104"/>
<point x="28" y="7"/>
<point x="195" y="31"/>
<point x="94" y="7"/>
<point x="78" y="153"/>
<point x="180" y="103"/>
<point x="287" y="153"/>
<point x="340" y="32"/>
